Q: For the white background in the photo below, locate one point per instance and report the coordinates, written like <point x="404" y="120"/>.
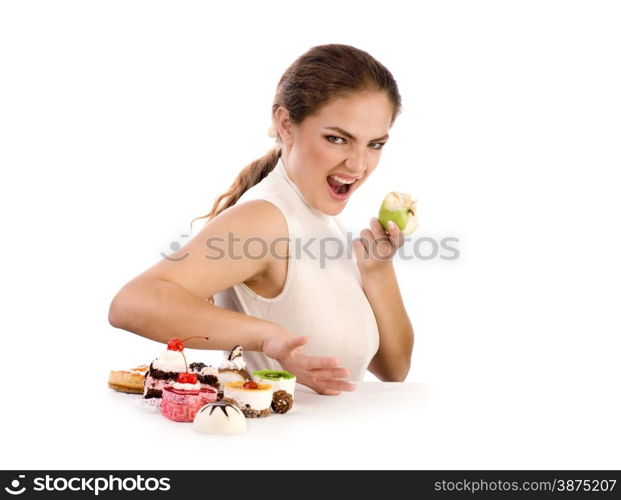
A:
<point x="120" y="121"/>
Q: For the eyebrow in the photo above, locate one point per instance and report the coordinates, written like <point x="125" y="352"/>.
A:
<point x="349" y="136"/>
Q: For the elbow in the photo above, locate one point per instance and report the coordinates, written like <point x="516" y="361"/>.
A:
<point x="399" y="373"/>
<point x="118" y="312"/>
<point x="393" y="372"/>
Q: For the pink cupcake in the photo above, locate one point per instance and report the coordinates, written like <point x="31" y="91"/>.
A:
<point x="182" y="400"/>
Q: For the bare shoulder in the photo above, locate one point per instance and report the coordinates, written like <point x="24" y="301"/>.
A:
<point x="230" y="248"/>
<point x="259" y="218"/>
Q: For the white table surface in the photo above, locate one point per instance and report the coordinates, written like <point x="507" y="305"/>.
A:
<point x="319" y="431"/>
<point x="379" y="426"/>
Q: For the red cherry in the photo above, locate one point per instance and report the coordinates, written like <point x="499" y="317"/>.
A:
<point x="250" y="385"/>
<point x="187" y="378"/>
<point x="175" y="344"/>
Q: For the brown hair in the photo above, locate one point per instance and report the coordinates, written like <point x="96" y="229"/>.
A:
<point x="316" y="78"/>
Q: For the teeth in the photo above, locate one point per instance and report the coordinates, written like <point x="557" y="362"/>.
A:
<point x="343" y="181"/>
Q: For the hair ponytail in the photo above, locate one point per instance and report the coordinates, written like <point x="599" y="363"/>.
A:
<point x="252" y="174"/>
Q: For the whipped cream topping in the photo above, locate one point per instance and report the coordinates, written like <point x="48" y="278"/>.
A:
<point x="187" y="387"/>
<point x="234" y="364"/>
<point x="209" y="370"/>
<point x="170" y="361"/>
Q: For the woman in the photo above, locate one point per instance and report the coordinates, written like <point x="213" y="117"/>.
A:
<point x="304" y="304"/>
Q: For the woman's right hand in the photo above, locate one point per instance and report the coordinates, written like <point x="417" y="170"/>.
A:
<point x="322" y="374"/>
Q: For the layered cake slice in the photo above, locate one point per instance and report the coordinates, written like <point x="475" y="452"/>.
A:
<point x="163" y="370"/>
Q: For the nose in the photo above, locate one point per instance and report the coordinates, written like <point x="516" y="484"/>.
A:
<point x="356" y="162"/>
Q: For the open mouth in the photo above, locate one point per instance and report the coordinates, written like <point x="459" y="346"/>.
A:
<point x="340" y="187"/>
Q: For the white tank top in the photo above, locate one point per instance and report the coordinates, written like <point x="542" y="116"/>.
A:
<point x="323" y="300"/>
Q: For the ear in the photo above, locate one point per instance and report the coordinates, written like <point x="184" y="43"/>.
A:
<point x="284" y="126"/>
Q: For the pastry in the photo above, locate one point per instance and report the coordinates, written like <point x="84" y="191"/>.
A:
<point x="165" y="370"/>
<point x="254" y="400"/>
<point x="233" y="368"/>
<point x="130" y="381"/>
<point x="220" y="418"/>
<point x="401" y="209"/>
<point x="182" y="399"/>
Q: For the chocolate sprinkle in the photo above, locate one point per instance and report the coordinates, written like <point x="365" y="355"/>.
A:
<point x="197" y="366"/>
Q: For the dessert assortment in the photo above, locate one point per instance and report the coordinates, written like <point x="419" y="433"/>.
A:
<point x="216" y="400"/>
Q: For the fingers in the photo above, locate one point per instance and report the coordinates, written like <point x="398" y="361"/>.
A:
<point x="377" y="229"/>
<point x="334" y="385"/>
<point x="317" y="362"/>
<point x="331" y="380"/>
<point x="359" y="250"/>
<point x="396" y="235"/>
<point x="329" y="373"/>
<point x="328" y="392"/>
<point x="367" y="238"/>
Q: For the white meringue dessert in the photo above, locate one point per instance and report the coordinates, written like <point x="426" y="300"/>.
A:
<point x="220" y="418"/>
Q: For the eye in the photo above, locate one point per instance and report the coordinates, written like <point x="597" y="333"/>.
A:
<point x="333" y="138"/>
<point x="330" y="137"/>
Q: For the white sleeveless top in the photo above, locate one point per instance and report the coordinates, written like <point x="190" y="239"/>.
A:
<point x="321" y="299"/>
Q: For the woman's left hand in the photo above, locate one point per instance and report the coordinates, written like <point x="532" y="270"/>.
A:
<point x="376" y="247"/>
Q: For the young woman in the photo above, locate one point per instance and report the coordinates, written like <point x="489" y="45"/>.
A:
<point x="273" y="253"/>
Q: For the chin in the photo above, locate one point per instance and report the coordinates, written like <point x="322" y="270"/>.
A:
<point x="330" y="209"/>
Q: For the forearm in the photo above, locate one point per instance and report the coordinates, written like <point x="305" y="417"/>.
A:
<point x="392" y="361"/>
<point x="160" y="310"/>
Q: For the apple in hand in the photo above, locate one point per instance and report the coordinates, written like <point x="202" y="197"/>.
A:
<point x="401" y="209"/>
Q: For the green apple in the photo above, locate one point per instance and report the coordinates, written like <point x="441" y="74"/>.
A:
<point x="401" y="209"/>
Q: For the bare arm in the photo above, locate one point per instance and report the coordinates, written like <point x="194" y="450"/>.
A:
<point x="374" y="253"/>
<point x="392" y="360"/>
<point x="171" y="298"/>
<point x="159" y="310"/>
